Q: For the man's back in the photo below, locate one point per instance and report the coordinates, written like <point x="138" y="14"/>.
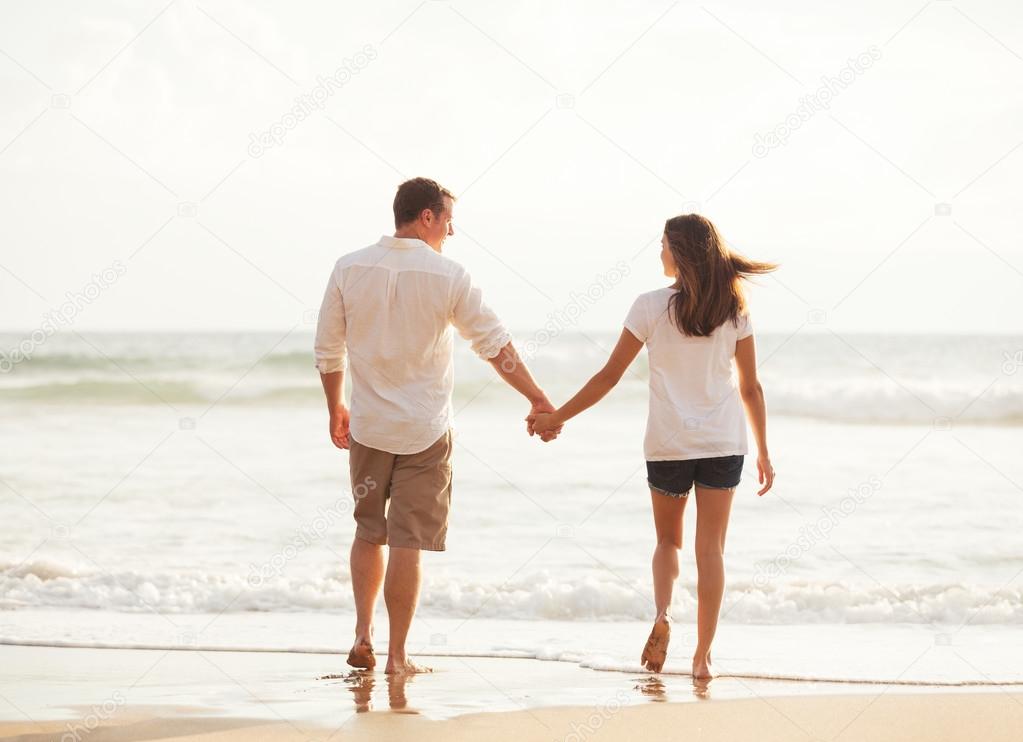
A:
<point x="390" y="306"/>
<point x="388" y="309"/>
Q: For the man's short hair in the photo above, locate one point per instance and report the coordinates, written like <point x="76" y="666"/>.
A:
<point x="415" y="195"/>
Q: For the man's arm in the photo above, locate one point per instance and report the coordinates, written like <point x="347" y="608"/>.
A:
<point x="477" y="323"/>
<point x="510" y="367"/>
<point x="333" y="387"/>
<point x="331" y="331"/>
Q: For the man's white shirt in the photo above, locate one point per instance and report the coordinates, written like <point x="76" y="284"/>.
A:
<point x="387" y="312"/>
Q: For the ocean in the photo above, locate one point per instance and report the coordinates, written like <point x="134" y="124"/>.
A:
<point x="180" y="490"/>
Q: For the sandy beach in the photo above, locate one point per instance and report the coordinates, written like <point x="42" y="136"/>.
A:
<point x="104" y="695"/>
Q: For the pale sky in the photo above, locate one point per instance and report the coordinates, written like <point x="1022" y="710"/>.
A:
<point x="570" y="131"/>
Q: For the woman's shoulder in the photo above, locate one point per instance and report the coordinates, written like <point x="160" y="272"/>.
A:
<point x="743" y="324"/>
<point x="657" y="296"/>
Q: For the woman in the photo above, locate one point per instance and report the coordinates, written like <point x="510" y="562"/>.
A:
<point x="696" y="432"/>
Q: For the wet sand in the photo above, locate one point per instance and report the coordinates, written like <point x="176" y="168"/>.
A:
<point x="105" y="695"/>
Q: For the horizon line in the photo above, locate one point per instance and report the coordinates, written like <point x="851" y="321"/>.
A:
<point x="516" y="333"/>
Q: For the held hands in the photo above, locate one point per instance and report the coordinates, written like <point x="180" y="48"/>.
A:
<point x="339" y="427"/>
<point x="542" y="409"/>
<point x="543" y="425"/>
<point x="340" y="436"/>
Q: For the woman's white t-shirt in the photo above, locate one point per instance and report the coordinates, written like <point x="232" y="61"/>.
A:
<point x="695" y="409"/>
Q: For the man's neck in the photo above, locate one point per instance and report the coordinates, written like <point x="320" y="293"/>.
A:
<point x="409" y="233"/>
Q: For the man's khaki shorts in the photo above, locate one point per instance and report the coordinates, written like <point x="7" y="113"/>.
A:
<point x="406" y="497"/>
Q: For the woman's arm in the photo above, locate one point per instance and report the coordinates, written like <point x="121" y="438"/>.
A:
<point x="752" y="394"/>
<point x="603" y="381"/>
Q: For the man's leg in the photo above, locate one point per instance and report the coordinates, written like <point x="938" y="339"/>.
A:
<point x="371" y="474"/>
<point x="417" y="519"/>
<point x="367" y="577"/>
<point x="401" y="595"/>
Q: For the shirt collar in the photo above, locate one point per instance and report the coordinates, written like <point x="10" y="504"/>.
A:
<point x="402" y="242"/>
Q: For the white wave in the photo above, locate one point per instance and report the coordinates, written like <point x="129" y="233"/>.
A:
<point x="877" y="401"/>
<point x="533" y="596"/>
<point x="882" y="400"/>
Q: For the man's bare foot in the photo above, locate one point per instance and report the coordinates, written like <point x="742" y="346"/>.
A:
<point x="405" y="667"/>
<point x="656" y="649"/>
<point x="702" y="669"/>
<point x="362" y="655"/>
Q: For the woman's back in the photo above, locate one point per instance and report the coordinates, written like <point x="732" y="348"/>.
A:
<point x="696" y="429"/>
<point x="695" y="410"/>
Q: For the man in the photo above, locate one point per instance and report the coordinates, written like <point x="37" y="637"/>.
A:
<point x="388" y="312"/>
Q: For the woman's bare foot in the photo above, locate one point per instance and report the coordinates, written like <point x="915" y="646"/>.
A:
<point x="405" y="667"/>
<point x="362" y="655"/>
<point x="702" y="669"/>
<point x="656" y="649"/>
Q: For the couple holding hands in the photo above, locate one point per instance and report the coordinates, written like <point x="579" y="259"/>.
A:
<point x="385" y="319"/>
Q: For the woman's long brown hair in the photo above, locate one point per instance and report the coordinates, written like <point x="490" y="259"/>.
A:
<point x="709" y="288"/>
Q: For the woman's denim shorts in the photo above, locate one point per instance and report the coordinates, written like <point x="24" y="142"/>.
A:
<point x="676" y="478"/>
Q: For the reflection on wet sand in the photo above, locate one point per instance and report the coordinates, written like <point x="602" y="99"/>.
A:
<point x="654" y="688"/>
<point x="396" y="693"/>
<point x="362" y="682"/>
<point x="367" y="689"/>
<point x="701" y="688"/>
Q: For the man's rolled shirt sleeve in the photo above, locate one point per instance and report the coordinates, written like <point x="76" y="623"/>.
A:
<point x="331" y="329"/>
<point x="475" y="321"/>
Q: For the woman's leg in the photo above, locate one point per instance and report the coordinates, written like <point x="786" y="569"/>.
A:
<point x="668" y="524"/>
<point x="712" y="510"/>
